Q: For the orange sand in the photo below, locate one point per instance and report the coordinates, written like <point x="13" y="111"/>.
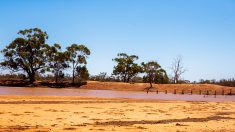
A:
<point x="28" y="113"/>
<point x="160" y="87"/>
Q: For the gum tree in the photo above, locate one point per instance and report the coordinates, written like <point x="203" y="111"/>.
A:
<point x="152" y="70"/>
<point x="161" y="77"/>
<point x="27" y="53"/>
<point x="77" y="57"/>
<point x="126" y="68"/>
<point x="58" y="61"/>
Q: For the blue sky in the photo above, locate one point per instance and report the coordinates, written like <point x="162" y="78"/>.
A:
<point x="201" y="31"/>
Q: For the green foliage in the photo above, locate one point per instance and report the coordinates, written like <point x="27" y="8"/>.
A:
<point x="77" y="56"/>
<point x="27" y="53"/>
<point x="154" y="73"/>
<point x="126" y="69"/>
<point x="161" y="77"/>
<point x="82" y="73"/>
<point x="30" y="55"/>
<point x="58" y="61"/>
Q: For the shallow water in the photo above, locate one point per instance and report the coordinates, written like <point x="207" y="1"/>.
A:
<point x="111" y="94"/>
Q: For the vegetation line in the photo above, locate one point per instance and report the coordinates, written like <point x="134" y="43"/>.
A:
<point x="30" y="59"/>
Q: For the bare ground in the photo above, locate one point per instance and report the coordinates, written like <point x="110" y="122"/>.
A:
<point x="173" y="88"/>
<point x="31" y="113"/>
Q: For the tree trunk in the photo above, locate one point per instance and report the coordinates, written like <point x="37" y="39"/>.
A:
<point x="150" y="82"/>
<point x="32" y="77"/>
<point x="73" y="74"/>
<point x="151" y="85"/>
<point x="176" y="80"/>
<point x="128" y="79"/>
<point x="73" y="77"/>
<point x="150" y="79"/>
<point x="56" y="78"/>
<point x="124" y="78"/>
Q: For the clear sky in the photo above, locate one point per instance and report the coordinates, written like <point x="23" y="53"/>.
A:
<point x="202" y="31"/>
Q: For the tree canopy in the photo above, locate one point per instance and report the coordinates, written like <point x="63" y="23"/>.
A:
<point x="82" y="73"/>
<point x="27" y="53"/>
<point x="58" y="61"/>
<point x="30" y="55"/>
<point x="154" y="72"/>
<point x="77" y="56"/>
<point x="126" y="67"/>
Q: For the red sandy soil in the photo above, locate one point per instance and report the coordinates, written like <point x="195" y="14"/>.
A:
<point x="160" y="87"/>
<point x="46" y="114"/>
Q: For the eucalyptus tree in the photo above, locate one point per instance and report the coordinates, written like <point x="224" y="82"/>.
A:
<point x="152" y="70"/>
<point x="126" y="67"/>
<point x="161" y="77"/>
<point x="77" y="56"/>
<point x="58" y="61"/>
<point x="27" y="53"/>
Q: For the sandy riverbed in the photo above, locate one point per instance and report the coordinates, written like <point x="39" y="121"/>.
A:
<point x="28" y="113"/>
